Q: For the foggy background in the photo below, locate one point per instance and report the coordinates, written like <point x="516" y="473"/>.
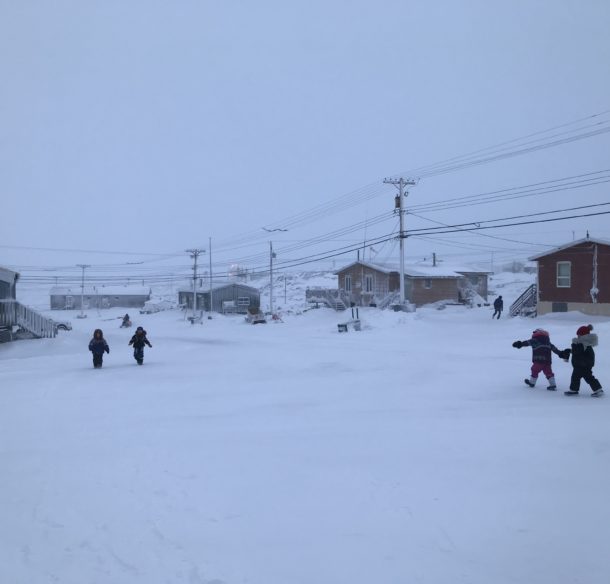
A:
<point x="131" y="131"/>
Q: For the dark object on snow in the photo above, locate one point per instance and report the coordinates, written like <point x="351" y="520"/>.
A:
<point x="126" y="322"/>
<point x="98" y="345"/>
<point x="138" y="341"/>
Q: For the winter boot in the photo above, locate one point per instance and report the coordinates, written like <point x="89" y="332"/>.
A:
<point x="598" y="393"/>
<point x="531" y="382"/>
<point x="552" y="386"/>
<point x="571" y="392"/>
<point x="140" y="361"/>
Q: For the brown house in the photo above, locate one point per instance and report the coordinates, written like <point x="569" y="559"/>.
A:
<point x="575" y="276"/>
<point x="365" y="284"/>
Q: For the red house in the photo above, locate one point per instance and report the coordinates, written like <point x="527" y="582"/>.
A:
<point x="575" y="276"/>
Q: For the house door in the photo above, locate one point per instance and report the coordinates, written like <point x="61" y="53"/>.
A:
<point x="69" y="302"/>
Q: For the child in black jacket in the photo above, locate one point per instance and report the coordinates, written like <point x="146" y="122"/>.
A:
<point x="583" y="361"/>
<point x="98" y="345"/>
<point x="138" y="341"/>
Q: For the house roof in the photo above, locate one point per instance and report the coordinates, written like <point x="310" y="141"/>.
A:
<point x="7" y="275"/>
<point x="569" y="245"/>
<point x="100" y="291"/>
<point x="206" y="289"/>
<point x="418" y="270"/>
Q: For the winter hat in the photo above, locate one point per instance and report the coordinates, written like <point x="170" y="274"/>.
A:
<point x="584" y="330"/>
<point x="140" y="329"/>
<point x="540" y="333"/>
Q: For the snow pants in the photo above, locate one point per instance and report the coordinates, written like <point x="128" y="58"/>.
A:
<point x="496" y="311"/>
<point x="544" y="367"/>
<point x="98" y="359"/>
<point x="585" y="373"/>
<point x="138" y="354"/>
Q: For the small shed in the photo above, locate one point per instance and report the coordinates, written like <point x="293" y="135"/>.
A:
<point x="231" y="297"/>
<point x="575" y="276"/>
<point x="69" y="298"/>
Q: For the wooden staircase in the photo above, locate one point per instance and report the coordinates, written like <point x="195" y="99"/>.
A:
<point x="15" y="314"/>
<point x="526" y="304"/>
<point x="333" y="298"/>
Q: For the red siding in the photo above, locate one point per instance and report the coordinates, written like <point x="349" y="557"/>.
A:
<point x="581" y="258"/>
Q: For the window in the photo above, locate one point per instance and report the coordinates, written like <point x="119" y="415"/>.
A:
<point x="564" y="274"/>
<point x="368" y="283"/>
<point x="428" y="283"/>
<point x="243" y="301"/>
<point x="348" y="283"/>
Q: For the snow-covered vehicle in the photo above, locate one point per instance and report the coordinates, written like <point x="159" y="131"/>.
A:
<point x="62" y="325"/>
<point x="255" y="316"/>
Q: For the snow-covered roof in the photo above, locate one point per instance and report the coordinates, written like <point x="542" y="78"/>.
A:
<point x="569" y="245"/>
<point x="204" y="289"/>
<point x="100" y="291"/>
<point x="418" y="270"/>
<point x="7" y="275"/>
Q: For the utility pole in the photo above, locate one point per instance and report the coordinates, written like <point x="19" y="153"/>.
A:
<point x="271" y="256"/>
<point x="83" y="267"/>
<point x="211" y="303"/>
<point x="195" y="253"/>
<point x="401" y="183"/>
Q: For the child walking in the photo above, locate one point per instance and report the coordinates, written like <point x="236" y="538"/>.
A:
<point x="583" y="361"/>
<point x="98" y="345"/>
<point x="541" y="357"/>
<point x="138" y="341"/>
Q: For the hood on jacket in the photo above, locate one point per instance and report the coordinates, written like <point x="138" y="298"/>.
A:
<point x="98" y="334"/>
<point x="589" y="340"/>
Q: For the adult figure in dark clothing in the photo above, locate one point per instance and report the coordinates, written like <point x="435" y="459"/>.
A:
<point x="498" y="307"/>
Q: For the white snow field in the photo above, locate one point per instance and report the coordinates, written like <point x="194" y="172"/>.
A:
<point x="409" y="452"/>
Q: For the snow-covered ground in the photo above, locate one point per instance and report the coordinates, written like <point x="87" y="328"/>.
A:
<point x="287" y="453"/>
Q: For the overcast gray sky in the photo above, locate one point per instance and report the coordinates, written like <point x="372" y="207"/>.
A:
<point x="149" y="126"/>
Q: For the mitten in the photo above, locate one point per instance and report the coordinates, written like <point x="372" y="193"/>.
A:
<point x="518" y="344"/>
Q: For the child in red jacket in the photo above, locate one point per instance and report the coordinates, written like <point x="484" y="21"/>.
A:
<point x="541" y="357"/>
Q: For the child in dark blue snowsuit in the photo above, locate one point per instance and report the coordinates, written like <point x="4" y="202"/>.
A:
<point x="583" y="361"/>
<point x="138" y="341"/>
<point x="98" y="345"/>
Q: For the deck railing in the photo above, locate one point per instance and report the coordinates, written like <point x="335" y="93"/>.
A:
<point x="526" y="304"/>
<point x="13" y="313"/>
<point x="331" y="297"/>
